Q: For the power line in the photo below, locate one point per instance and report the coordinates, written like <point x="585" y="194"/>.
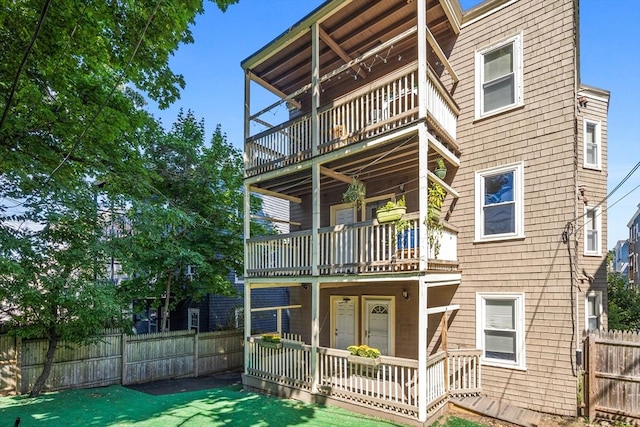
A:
<point x="43" y="14"/>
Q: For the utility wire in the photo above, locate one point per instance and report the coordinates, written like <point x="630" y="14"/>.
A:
<point x="12" y="92"/>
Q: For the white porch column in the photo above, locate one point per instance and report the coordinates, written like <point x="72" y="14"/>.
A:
<point x="423" y="165"/>
<point x="315" y="207"/>
<point x="247" y="227"/>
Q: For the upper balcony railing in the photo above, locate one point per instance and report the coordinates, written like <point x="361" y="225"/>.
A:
<point x="364" y="247"/>
<point x="389" y="103"/>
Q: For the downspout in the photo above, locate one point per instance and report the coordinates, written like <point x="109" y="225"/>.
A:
<point x="574" y="241"/>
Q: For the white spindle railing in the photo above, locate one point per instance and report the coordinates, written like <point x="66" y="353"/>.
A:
<point x="364" y="247"/>
<point x="388" y="103"/>
<point x="289" y="365"/>
<point x="464" y="374"/>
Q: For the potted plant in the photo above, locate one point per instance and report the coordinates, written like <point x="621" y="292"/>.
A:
<point x="363" y="355"/>
<point x="441" y="168"/>
<point x="433" y="222"/>
<point x="355" y="194"/>
<point x="271" y="341"/>
<point x="391" y="211"/>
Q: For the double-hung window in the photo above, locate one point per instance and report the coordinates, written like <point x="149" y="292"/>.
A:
<point x="500" y="329"/>
<point x="499" y="203"/>
<point x="499" y="74"/>
<point x="592" y="231"/>
<point x="593" y="310"/>
<point x="592" y="144"/>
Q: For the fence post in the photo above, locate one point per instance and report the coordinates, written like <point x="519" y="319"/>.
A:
<point x="18" y="371"/>
<point x="195" y="354"/>
<point x="124" y="359"/>
<point x="591" y="382"/>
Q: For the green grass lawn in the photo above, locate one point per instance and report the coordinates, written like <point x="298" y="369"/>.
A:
<point x="120" y="406"/>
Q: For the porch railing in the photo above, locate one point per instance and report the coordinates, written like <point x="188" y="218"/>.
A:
<point x="364" y="247"/>
<point x="386" y="104"/>
<point x="391" y="385"/>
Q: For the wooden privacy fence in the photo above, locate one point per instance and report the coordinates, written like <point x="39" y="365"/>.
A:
<point x="119" y="359"/>
<point x="612" y="386"/>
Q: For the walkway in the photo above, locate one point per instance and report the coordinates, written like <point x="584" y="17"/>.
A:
<point x="500" y="410"/>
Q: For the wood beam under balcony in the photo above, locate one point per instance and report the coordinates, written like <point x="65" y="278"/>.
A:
<point x="266" y="192"/>
<point x="274" y="90"/>
<point x="441" y="56"/>
<point x="325" y="37"/>
<point x="335" y="175"/>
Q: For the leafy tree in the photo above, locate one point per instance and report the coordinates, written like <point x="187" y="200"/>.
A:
<point x="71" y="112"/>
<point x="624" y="304"/>
<point x="188" y="234"/>
<point x="49" y="283"/>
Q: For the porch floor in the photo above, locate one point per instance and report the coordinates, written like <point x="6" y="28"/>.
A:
<point x="496" y="409"/>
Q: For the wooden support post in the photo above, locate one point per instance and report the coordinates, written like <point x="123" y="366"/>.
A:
<point x="443" y="333"/>
<point x="591" y="381"/>
<point x="18" y="366"/>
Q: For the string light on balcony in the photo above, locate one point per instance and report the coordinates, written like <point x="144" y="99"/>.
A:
<point x="377" y="56"/>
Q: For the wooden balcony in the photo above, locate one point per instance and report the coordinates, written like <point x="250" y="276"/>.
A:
<point x="385" y="105"/>
<point x="360" y="248"/>
<point x="392" y="386"/>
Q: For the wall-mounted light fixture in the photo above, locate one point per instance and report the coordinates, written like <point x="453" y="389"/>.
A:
<point x="405" y="294"/>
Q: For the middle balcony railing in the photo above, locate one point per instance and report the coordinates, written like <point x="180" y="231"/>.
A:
<point x="389" y="103"/>
<point x="364" y="247"/>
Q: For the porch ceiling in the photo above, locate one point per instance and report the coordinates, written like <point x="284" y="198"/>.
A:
<point x="386" y="161"/>
<point x="348" y="29"/>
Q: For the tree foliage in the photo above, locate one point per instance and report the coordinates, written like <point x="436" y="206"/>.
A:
<point x="624" y="304"/>
<point x="186" y="236"/>
<point x="72" y="114"/>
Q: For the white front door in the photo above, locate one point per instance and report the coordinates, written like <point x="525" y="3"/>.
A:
<point x="378" y="325"/>
<point x="343" y="322"/>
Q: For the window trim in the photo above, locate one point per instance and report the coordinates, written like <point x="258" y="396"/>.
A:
<point x="598" y="296"/>
<point x="518" y="298"/>
<point x="518" y="71"/>
<point x="598" y="134"/>
<point x="518" y="189"/>
<point x="598" y="220"/>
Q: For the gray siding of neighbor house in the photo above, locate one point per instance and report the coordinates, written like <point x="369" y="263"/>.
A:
<point x="541" y="134"/>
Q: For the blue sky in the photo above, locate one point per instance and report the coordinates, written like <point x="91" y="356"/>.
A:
<point x="610" y="59"/>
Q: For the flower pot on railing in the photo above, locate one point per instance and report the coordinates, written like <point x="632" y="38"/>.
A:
<point x="270" y="341"/>
<point x="390" y="215"/>
<point x="365" y="361"/>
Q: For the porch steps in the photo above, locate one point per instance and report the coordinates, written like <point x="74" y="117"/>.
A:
<point x="493" y="408"/>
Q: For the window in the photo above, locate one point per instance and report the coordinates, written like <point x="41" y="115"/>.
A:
<point x="592" y="144"/>
<point x="592" y="231"/>
<point x="500" y="329"/>
<point x="499" y="77"/>
<point x="194" y="319"/>
<point x="238" y="317"/>
<point x="593" y="311"/>
<point x="499" y="203"/>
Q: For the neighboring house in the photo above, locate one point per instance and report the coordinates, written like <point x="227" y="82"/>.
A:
<point x="634" y="248"/>
<point x="379" y="91"/>
<point x="620" y="260"/>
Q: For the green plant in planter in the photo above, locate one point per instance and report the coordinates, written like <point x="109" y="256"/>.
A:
<point x="364" y="351"/>
<point x="441" y="168"/>
<point x="355" y="194"/>
<point x="274" y="338"/>
<point x="433" y="222"/>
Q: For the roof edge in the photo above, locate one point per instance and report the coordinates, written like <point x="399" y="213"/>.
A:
<point x="482" y="10"/>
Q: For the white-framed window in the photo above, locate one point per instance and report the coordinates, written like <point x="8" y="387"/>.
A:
<point x="500" y="329"/>
<point x="592" y="144"/>
<point x="194" y="319"/>
<point x="592" y="231"/>
<point x="238" y="317"/>
<point x="593" y="311"/>
<point x="500" y="203"/>
<point x="499" y="77"/>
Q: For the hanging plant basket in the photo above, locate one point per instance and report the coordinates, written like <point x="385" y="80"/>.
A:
<point x="441" y="173"/>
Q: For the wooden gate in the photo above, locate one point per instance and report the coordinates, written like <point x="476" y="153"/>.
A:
<point x="612" y="386"/>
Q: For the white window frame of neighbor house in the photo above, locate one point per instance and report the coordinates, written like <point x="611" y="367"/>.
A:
<point x="596" y="144"/>
<point x="516" y="301"/>
<point x="596" y="313"/>
<point x="515" y="75"/>
<point x="592" y="231"/>
<point x="517" y="196"/>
